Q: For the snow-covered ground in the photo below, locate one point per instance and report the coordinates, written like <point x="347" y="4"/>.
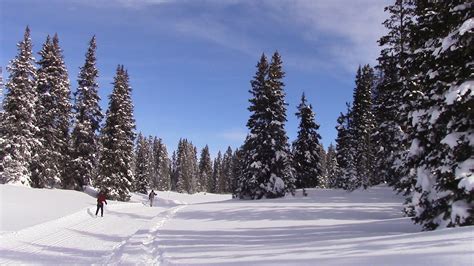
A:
<point x="329" y="227"/>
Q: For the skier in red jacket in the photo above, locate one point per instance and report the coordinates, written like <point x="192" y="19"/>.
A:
<point x="100" y="204"/>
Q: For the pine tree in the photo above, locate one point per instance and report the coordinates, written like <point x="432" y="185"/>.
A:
<point x="117" y="137"/>
<point x="394" y="97"/>
<point x="363" y="124"/>
<point x="237" y="168"/>
<point x="53" y="113"/>
<point x="332" y="167"/>
<point x="162" y="175"/>
<point x="267" y="168"/>
<point x="1" y="112"/>
<point x="307" y="160"/>
<point x="18" y="126"/>
<point x="345" y="152"/>
<point x="205" y="169"/>
<point x="88" y="116"/>
<point x="1" y="93"/>
<point x="216" y="174"/>
<point x="173" y="175"/>
<point x="181" y="176"/>
<point x="226" y="172"/>
<point x="142" y="165"/>
<point x="323" y="181"/>
<point x="186" y="167"/>
<point x="441" y="152"/>
<point x="387" y="134"/>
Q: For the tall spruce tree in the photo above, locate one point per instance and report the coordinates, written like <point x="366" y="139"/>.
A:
<point x="53" y="116"/>
<point x="307" y="160"/>
<point x="1" y="92"/>
<point x="237" y="168"/>
<point x="345" y="150"/>
<point x="88" y="116"/>
<point x="387" y="133"/>
<point x="267" y="168"/>
<point x="323" y="181"/>
<point x="332" y="167"/>
<point x="18" y="126"/>
<point x="394" y="97"/>
<point x="205" y="169"/>
<point x="186" y="167"/>
<point x="162" y="175"/>
<point x="216" y="174"/>
<point x="173" y="171"/>
<point x="226" y="172"/>
<point x="441" y="150"/>
<point x="363" y="124"/>
<point x="142" y="165"/>
<point x="117" y="138"/>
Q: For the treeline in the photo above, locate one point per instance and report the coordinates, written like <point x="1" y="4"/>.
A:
<point x="186" y="171"/>
<point x="53" y="138"/>
<point x="49" y="141"/>
<point x="411" y="122"/>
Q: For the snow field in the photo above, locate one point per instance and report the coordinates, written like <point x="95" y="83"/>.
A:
<point x="329" y="227"/>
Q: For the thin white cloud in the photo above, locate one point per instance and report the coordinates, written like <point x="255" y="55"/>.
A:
<point x="347" y="31"/>
<point x="352" y="26"/>
<point x="357" y="24"/>
<point x="213" y="30"/>
<point x="233" y="135"/>
<point x="134" y="4"/>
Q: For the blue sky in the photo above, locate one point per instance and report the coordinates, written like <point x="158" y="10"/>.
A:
<point x="191" y="61"/>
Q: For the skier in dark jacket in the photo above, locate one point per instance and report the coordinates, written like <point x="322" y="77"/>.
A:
<point x="151" y="197"/>
<point x="100" y="204"/>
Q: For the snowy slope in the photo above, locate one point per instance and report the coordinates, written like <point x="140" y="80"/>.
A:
<point x="329" y="227"/>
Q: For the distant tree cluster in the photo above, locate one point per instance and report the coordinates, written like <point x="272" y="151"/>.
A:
<point x="412" y="125"/>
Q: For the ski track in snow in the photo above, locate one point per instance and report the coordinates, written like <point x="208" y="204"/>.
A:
<point x="329" y="227"/>
<point x="82" y="238"/>
<point x="139" y="249"/>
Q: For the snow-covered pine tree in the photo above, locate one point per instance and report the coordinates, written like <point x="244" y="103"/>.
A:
<point x="442" y="148"/>
<point x="195" y="170"/>
<point x="2" y="127"/>
<point x="387" y="133"/>
<point x="1" y="109"/>
<point x="307" y="160"/>
<point x="332" y="168"/>
<point x="151" y="160"/>
<point x="162" y="178"/>
<point x="267" y="168"/>
<point x="216" y="174"/>
<point x="180" y="166"/>
<point x="226" y="172"/>
<point x="345" y="151"/>
<point x="186" y="167"/>
<point x="1" y="92"/>
<point x="363" y="124"/>
<point x="173" y="176"/>
<point x="18" y="126"/>
<point x="205" y="169"/>
<point x="323" y="180"/>
<point x="88" y="116"/>
<point x="117" y="137"/>
<point x="53" y="116"/>
<point x="142" y="165"/>
<point x="237" y="166"/>
<point x="393" y="100"/>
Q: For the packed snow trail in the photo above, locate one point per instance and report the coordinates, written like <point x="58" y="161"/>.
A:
<point x="82" y="237"/>
<point x="329" y="227"/>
